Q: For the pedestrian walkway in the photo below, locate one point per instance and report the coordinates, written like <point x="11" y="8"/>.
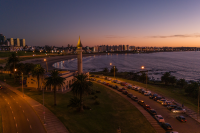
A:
<point x="52" y="124"/>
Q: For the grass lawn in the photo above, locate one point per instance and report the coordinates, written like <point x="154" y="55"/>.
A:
<point x="170" y="92"/>
<point x="9" y="80"/>
<point x="113" y="111"/>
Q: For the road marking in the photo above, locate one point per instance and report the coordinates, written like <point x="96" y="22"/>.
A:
<point x="10" y="107"/>
<point x="30" y="127"/>
<point x="14" y="117"/>
<point x="17" y="102"/>
<point x="20" y="106"/>
<point x="8" y="102"/>
<point x="12" y="111"/>
<point x="23" y="111"/>
<point x="27" y="119"/>
<point x="16" y="125"/>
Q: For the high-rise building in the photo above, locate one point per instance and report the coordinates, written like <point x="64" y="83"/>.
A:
<point x="22" y="42"/>
<point x="2" y="38"/>
<point x="17" y="42"/>
<point x="11" y="41"/>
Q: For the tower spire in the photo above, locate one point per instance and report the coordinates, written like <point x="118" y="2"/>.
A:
<point x="79" y="44"/>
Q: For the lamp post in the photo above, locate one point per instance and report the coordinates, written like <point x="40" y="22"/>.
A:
<point x="22" y="82"/>
<point x="146" y="76"/>
<point x="114" y="69"/>
<point x="46" y="64"/>
<point x="43" y="94"/>
<point x="198" y="106"/>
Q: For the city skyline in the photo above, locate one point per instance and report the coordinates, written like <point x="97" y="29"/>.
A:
<point x="133" y="23"/>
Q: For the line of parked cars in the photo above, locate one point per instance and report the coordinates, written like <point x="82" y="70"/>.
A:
<point x="155" y="97"/>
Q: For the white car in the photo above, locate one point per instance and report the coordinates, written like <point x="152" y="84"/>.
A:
<point x="147" y="93"/>
<point x="178" y="110"/>
<point x="118" y="82"/>
<point x="159" y="118"/>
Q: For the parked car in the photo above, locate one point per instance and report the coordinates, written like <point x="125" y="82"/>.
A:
<point x="147" y="93"/>
<point x="116" y="87"/>
<point x="1" y="87"/>
<point x="107" y="84"/>
<point x="181" y="118"/>
<point x="134" y="98"/>
<point x="121" y="89"/>
<point x="129" y="86"/>
<point x="133" y="87"/>
<point x="99" y="81"/>
<point x="118" y="82"/>
<point x="170" y="107"/>
<point x="157" y="98"/>
<point x="97" y="76"/>
<point x="172" y="132"/>
<point x="152" y="112"/>
<point x="152" y="96"/>
<point x="104" y="82"/>
<point x="137" y="88"/>
<point x="166" y="103"/>
<point x="166" y="126"/>
<point x="130" y="95"/>
<point x="125" y="92"/>
<point x="178" y="110"/>
<point x="109" y="79"/>
<point x="140" y="90"/>
<point x="161" y="101"/>
<point x="146" y="107"/>
<point x="141" y="102"/>
<point x="159" y="118"/>
<point x="123" y="83"/>
<point x="92" y="76"/>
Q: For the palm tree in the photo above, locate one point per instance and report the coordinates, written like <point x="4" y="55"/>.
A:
<point x="38" y="71"/>
<point x="54" y="80"/>
<point x="12" y="61"/>
<point x="80" y="87"/>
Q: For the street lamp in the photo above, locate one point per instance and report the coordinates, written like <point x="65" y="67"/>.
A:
<point x="142" y="67"/>
<point x="46" y="64"/>
<point x="22" y="83"/>
<point x="114" y="69"/>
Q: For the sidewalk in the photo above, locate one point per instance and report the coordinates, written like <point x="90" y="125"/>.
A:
<point x="53" y="124"/>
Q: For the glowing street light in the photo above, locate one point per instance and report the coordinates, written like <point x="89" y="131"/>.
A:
<point x="22" y="82"/>
<point x="45" y="60"/>
<point x="114" y="69"/>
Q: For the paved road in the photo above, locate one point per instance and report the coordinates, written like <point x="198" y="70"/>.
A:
<point x="17" y="115"/>
<point x="191" y="126"/>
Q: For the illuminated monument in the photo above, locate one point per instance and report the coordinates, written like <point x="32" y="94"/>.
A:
<point x="79" y="56"/>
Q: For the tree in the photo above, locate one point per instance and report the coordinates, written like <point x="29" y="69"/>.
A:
<point x="172" y="80"/>
<point x="112" y="69"/>
<point x="143" y="77"/>
<point x="165" y="78"/>
<point x="38" y="71"/>
<point x="80" y="87"/>
<point x="11" y="63"/>
<point x="54" y="80"/>
<point x="13" y="60"/>
<point x="192" y="89"/>
<point x="105" y="70"/>
<point x="181" y="83"/>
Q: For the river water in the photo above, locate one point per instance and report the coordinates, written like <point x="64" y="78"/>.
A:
<point x="180" y="64"/>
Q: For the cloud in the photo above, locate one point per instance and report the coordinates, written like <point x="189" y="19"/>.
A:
<point x="113" y="36"/>
<point x="176" y="36"/>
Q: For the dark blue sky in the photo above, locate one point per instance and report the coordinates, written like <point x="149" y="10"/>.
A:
<point x="112" y="22"/>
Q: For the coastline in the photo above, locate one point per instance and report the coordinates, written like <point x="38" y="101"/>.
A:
<point x="51" y="60"/>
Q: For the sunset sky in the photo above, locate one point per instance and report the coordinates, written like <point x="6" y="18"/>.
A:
<point x="173" y="23"/>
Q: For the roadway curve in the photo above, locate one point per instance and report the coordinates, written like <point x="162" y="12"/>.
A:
<point x="17" y="115"/>
<point x="191" y="126"/>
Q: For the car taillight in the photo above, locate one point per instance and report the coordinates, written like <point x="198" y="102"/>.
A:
<point x="181" y="120"/>
<point x="185" y="120"/>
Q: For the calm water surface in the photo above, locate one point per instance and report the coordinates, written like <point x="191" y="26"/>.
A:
<point x="180" y="64"/>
